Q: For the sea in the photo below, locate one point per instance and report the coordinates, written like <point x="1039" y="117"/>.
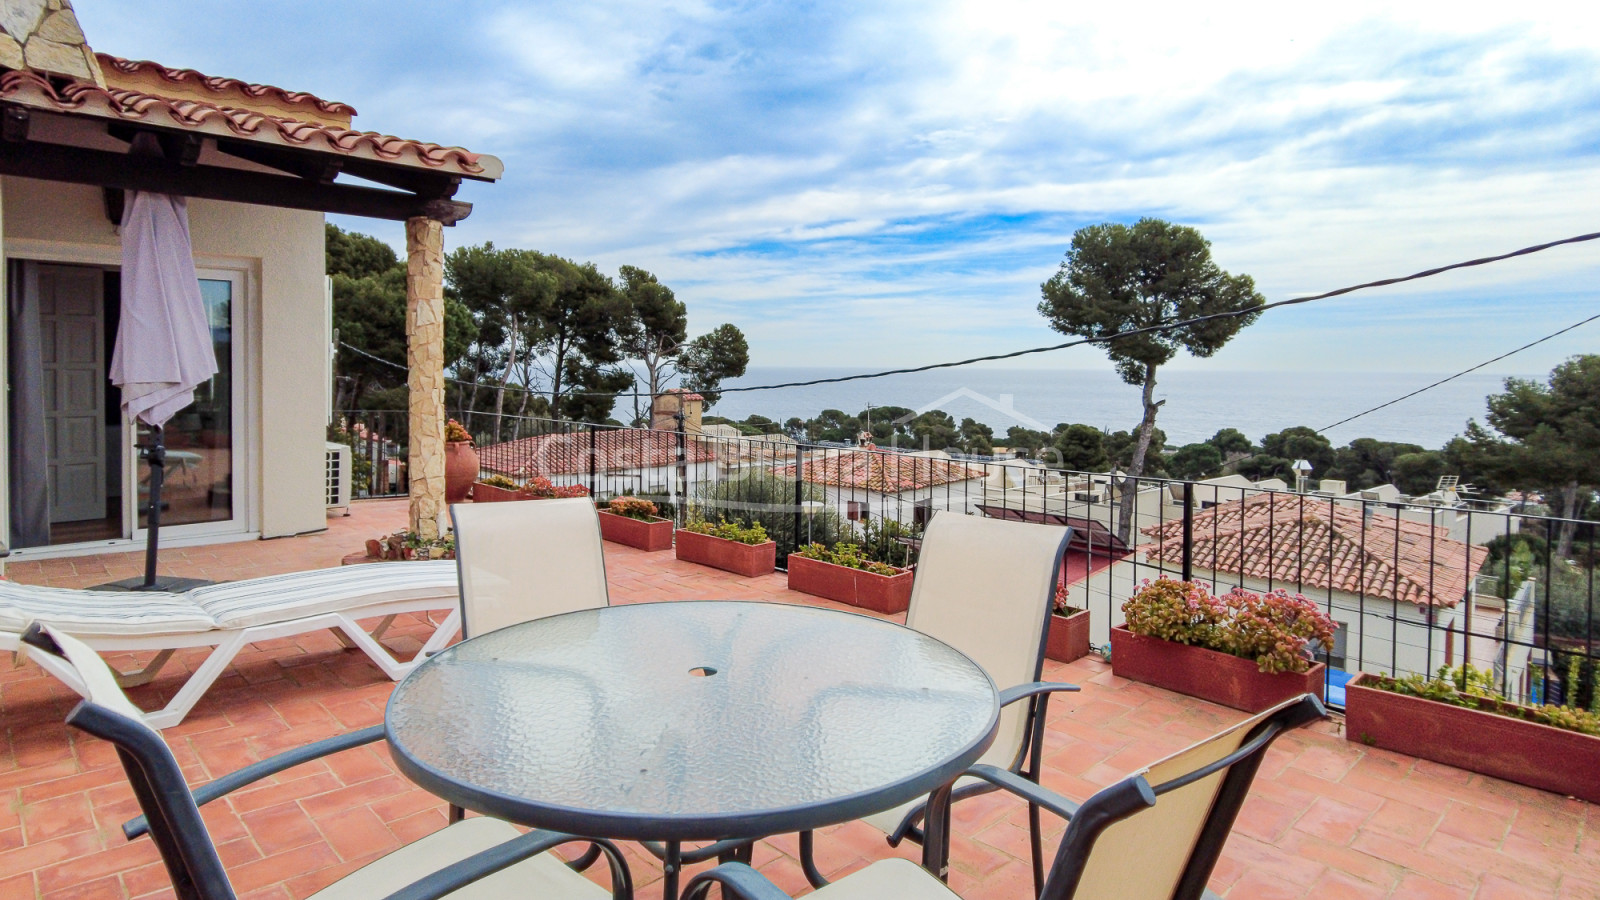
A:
<point x="1198" y="402"/>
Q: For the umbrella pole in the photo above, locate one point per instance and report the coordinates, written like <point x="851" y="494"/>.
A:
<point x="156" y="456"/>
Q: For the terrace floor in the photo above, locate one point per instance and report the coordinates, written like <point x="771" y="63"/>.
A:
<point x="1327" y="818"/>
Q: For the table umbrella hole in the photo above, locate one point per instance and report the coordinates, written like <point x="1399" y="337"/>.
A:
<point x="702" y="671"/>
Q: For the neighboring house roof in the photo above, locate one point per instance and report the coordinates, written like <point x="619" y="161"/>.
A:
<point x="1293" y="540"/>
<point x="1087" y="534"/>
<point x="886" y="473"/>
<point x="568" y="453"/>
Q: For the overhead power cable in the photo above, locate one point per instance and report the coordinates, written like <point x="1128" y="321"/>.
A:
<point x="1460" y="373"/>
<point x="1098" y="339"/>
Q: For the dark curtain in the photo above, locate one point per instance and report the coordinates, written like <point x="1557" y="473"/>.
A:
<point x="29" y="462"/>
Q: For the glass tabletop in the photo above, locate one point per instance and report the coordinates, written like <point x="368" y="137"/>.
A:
<point x="691" y="720"/>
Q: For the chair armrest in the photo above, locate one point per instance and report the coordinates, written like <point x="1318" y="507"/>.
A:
<point x="272" y="765"/>
<point x="484" y="863"/>
<point x="738" y="881"/>
<point x="1022" y="787"/>
<point x="1033" y="689"/>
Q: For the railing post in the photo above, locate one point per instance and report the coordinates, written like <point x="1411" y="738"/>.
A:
<point x="1188" y="531"/>
<point x="682" y="470"/>
<point x="592" y="446"/>
<point x="799" y="491"/>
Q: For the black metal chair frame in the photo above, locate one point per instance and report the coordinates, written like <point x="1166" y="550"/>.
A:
<point x="1087" y="821"/>
<point x="1026" y="764"/>
<point x="172" y="812"/>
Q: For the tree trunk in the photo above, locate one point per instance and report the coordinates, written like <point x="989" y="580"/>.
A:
<point x="471" y="404"/>
<point x="555" y="378"/>
<point x="1130" y="485"/>
<point x="500" y="392"/>
<point x="1569" y="525"/>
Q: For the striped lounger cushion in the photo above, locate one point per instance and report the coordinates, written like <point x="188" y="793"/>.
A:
<point x="101" y="613"/>
<point x="298" y="595"/>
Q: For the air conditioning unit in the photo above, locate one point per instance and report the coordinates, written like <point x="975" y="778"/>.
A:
<point x="338" y="477"/>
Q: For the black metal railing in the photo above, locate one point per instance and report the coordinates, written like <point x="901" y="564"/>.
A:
<point x="1414" y="583"/>
<point x="377" y="441"/>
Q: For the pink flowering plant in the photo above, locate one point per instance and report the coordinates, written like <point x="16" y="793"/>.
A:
<point x="1276" y="629"/>
<point x="632" y="508"/>
<point x="1061" y="606"/>
<point x="1179" y="611"/>
<point x="543" y="488"/>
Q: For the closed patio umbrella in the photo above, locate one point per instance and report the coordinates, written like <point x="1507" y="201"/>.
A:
<point x="163" y="350"/>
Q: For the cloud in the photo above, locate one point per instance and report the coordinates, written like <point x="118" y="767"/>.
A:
<point x="856" y="184"/>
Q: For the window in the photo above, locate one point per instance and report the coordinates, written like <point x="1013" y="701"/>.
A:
<point x="1334" y="657"/>
<point x="853" y="510"/>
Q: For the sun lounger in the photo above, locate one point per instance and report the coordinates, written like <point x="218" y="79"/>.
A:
<point x="230" y="615"/>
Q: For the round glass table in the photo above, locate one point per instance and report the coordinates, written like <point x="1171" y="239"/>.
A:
<point x="691" y="720"/>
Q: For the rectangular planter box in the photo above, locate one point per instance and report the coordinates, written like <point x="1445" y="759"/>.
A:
<point x="748" y="560"/>
<point x="1530" y="753"/>
<point x="653" y="535"/>
<point x="1069" y="637"/>
<point x="887" y="594"/>
<point x="1207" y="674"/>
<point x="488" y="493"/>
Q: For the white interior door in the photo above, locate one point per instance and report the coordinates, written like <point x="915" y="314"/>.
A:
<point x="73" y="348"/>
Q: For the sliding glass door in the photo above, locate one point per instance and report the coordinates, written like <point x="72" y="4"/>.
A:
<point x="203" y="480"/>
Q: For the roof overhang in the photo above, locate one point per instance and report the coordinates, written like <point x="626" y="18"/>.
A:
<point x="258" y="158"/>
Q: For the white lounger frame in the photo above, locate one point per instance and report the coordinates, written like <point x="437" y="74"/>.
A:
<point x="228" y="643"/>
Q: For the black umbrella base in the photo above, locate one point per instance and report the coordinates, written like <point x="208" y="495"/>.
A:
<point x="163" y="583"/>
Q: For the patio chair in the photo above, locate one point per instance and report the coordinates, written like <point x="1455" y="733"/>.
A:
<point x="985" y="587"/>
<point x="230" y="615"/>
<point x="1155" y="835"/>
<point x="527" y="559"/>
<point x="478" y="859"/>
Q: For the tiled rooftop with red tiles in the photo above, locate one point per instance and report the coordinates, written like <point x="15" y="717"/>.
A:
<point x="1327" y="818"/>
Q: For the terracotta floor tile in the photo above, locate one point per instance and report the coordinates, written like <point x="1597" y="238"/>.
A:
<point x="1329" y="818"/>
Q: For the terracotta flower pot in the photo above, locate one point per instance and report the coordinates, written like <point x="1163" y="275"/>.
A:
<point x="1219" y="677"/>
<point x="748" y="560"/>
<point x="887" y="594"/>
<point x="652" y="535"/>
<point x="1069" y="637"/>
<point x="1530" y="753"/>
<point x="460" y="470"/>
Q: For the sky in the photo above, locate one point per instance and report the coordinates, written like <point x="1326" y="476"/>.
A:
<point x="888" y="183"/>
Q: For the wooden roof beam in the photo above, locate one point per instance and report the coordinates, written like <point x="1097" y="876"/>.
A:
<point x="79" y="165"/>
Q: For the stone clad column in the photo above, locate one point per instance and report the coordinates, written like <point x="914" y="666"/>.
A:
<point x="425" y="360"/>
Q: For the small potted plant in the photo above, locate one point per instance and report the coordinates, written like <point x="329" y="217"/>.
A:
<point x="407" y="545"/>
<point x="1069" y="629"/>
<point x="846" y="575"/>
<point x="1248" y="651"/>
<point x="1461" y="719"/>
<point x="633" y="521"/>
<point x="460" y="462"/>
<point x="728" y="546"/>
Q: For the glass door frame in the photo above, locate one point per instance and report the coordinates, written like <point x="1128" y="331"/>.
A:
<point x="242" y="318"/>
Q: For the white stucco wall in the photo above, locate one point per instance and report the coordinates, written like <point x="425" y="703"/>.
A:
<point x="281" y="252"/>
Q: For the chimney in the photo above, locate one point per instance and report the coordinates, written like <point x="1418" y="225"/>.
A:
<point x="668" y="404"/>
